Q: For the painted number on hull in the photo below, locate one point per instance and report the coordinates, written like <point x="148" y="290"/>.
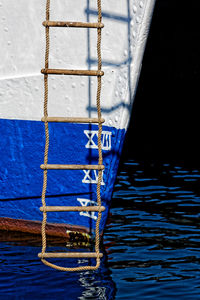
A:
<point x="91" y="176"/>
<point x="85" y="202"/>
<point x="92" y="136"/>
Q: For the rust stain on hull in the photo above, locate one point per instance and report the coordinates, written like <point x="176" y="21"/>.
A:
<point x="34" y="227"/>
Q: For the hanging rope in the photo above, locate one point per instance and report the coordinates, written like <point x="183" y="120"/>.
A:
<point x="46" y="133"/>
<point x="100" y="160"/>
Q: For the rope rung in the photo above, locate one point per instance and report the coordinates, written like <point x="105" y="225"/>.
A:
<point x="72" y="72"/>
<point x="72" y="24"/>
<point x="72" y="120"/>
<point x="72" y="208"/>
<point x="69" y="255"/>
<point x="71" y="167"/>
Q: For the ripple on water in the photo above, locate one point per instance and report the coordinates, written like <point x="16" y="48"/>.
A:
<point x="158" y="235"/>
<point x="151" y="244"/>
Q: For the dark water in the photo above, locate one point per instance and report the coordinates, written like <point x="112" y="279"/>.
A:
<point x="152" y="241"/>
<point x="151" y="244"/>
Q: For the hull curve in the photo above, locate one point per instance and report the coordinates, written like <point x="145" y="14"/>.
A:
<point x="21" y="99"/>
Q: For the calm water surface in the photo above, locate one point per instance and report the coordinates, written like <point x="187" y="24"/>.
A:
<point x="151" y="244"/>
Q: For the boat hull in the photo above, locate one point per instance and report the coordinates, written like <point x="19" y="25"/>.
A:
<point x="21" y="177"/>
<point x="21" y="105"/>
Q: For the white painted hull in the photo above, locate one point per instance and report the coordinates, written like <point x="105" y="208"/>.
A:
<point x="21" y="101"/>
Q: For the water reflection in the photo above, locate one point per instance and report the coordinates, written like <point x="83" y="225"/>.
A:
<point x="23" y="276"/>
<point x="151" y="244"/>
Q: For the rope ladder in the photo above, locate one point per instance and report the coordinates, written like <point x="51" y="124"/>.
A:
<point x="45" y="167"/>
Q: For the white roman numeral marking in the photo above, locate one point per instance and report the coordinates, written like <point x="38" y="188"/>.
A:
<point x="92" y="136"/>
<point x="91" y="176"/>
<point x="85" y="202"/>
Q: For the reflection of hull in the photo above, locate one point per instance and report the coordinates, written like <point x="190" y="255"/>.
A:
<point x="22" y="134"/>
<point x="75" y="285"/>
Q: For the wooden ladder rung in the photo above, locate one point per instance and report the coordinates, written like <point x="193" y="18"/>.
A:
<point x="72" y="24"/>
<point x="69" y="255"/>
<point x="72" y="120"/>
<point x="72" y="72"/>
<point x="71" y="167"/>
<point x="72" y="208"/>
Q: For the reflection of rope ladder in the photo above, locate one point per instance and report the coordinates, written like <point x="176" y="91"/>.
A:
<point x="99" y="120"/>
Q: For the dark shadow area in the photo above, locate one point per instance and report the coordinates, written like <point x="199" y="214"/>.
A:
<point x="165" y="118"/>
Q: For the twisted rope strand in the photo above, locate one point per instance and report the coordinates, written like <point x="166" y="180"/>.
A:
<point x="44" y="221"/>
<point x="98" y="103"/>
<point x="100" y="160"/>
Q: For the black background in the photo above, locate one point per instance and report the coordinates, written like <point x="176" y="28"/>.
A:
<point x="165" y="116"/>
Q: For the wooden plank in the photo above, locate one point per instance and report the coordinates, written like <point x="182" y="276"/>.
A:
<point x="72" y="24"/>
<point x="72" y="120"/>
<point x="72" y="208"/>
<point x="71" y="167"/>
<point x="69" y="255"/>
<point x="72" y="72"/>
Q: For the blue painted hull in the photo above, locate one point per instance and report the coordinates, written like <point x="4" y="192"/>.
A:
<point x="22" y="148"/>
